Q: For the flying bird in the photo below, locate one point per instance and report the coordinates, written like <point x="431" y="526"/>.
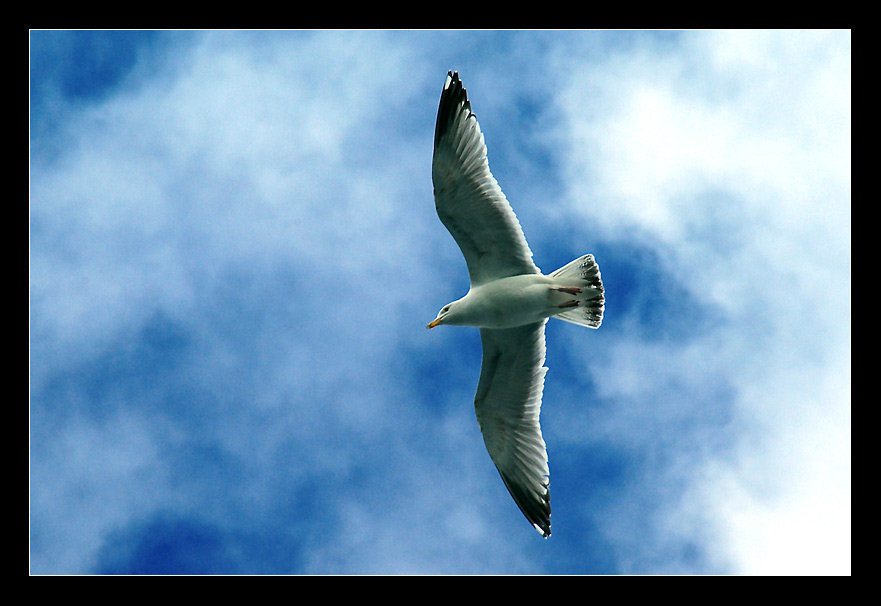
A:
<point x="509" y="300"/>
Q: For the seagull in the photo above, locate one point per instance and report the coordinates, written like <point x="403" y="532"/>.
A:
<point x="510" y="301"/>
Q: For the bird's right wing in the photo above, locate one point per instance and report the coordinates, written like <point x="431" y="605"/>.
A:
<point x="507" y="403"/>
<point x="468" y="199"/>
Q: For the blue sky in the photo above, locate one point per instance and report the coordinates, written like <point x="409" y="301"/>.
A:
<point x="234" y="253"/>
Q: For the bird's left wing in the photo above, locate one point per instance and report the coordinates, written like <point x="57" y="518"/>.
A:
<point x="468" y="199"/>
<point x="507" y="403"/>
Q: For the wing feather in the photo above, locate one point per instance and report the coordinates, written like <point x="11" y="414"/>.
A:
<point x="508" y="403"/>
<point x="468" y="198"/>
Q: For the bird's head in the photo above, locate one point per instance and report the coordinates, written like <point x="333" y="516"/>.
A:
<point x="444" y="316"/>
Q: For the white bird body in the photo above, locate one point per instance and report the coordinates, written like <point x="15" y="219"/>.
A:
<point x="509" y="300"/>
<point x="513" y="301"/>
<point x="505" y="303"/>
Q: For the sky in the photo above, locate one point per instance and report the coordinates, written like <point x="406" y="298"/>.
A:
<point x="234" y="253"/>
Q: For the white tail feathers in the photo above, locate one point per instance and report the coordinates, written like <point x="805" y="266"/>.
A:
<point x="585" y="301"/>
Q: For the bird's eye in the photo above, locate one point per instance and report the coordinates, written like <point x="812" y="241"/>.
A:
<point x="445" y="309"/>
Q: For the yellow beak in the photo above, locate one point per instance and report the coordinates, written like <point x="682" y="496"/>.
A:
<point x="433" y="323"/>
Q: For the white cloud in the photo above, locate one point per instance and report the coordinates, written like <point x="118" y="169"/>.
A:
<point x="730" y="156"/>
<point x="240" y="156"/>
<point x="782" y="506"/>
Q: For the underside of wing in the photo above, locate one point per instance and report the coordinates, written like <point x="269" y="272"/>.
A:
<point x="508" y="403"/>
<point x="468" y="199"/>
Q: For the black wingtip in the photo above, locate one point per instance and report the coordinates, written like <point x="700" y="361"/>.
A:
<point x="535" y="506"/>
<point x="453" y="95"/>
